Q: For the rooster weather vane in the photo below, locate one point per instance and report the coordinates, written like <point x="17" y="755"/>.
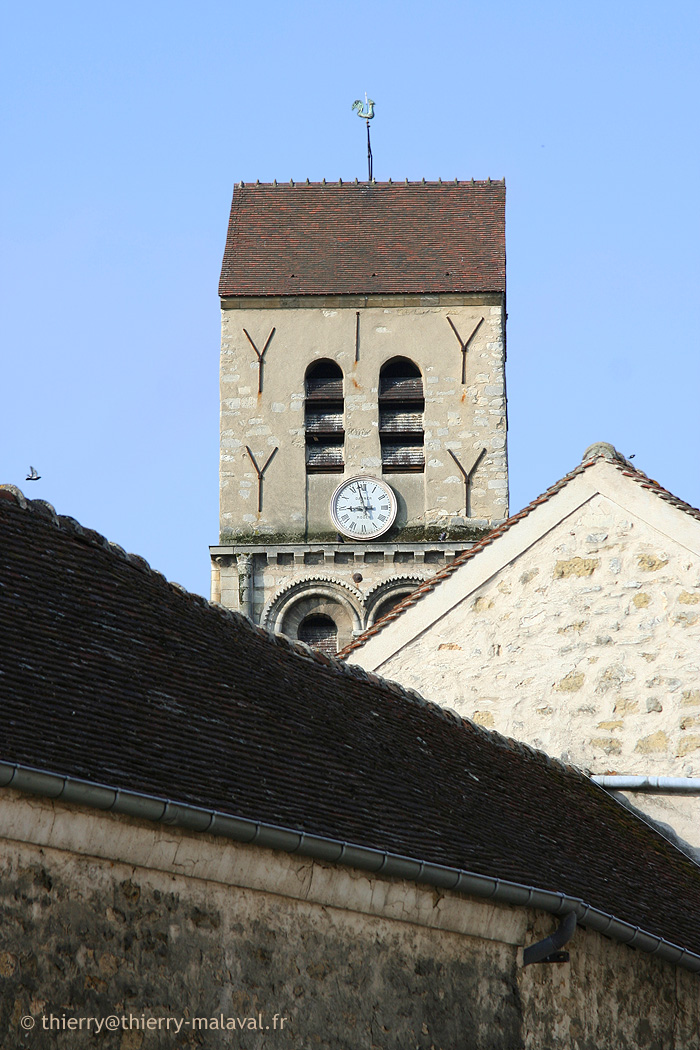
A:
<point x="366" y="112"/>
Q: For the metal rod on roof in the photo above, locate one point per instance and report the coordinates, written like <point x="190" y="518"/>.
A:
<point x="366" y="112"/>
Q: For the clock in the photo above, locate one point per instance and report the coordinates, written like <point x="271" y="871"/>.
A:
<point x="363" y="507"/>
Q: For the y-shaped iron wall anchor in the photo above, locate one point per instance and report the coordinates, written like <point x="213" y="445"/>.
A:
<point x="259" y="472"/>
<point x="260" y="355"/>
<point x="464" y="346"/>
<point x="467" y="475"/>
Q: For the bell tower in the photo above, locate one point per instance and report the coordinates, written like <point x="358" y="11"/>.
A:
<point x="363" y="410"/>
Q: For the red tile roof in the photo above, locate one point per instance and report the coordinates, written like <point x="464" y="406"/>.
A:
<point x="598" y="451"/>
<point x="379" y="238"/>
<point x="112" y="675"/>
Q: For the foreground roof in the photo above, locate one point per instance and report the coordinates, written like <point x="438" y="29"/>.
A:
<point x="365" y="238"/>
<point x="112" y="675"/>
<point x="600" y="451"/>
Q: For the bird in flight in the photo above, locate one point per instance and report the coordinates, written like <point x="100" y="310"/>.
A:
<point x="32" y="475"/>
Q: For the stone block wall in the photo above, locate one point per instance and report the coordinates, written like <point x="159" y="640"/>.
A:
<point x="462" y="417"/>
<point x="104" y="917"/>
<point x="361" y="577"/>
<point x="587" y="645"/>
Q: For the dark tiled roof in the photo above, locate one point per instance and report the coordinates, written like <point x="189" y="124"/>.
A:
<point x="378" y="238"/>
<point x="622" y="464"/>
<point x="110" y="674"/>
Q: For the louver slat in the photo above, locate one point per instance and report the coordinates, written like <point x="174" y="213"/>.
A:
<point x="401" y="388"/>
<point x="396" y="421"/>
<point x="328" y="458"/>
<point x="324" y="422"/>
<point x="398" y="458"/>
<point x="322" y="388"/>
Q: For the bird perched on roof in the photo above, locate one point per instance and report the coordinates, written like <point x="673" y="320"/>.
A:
<point x="32" y="475"/>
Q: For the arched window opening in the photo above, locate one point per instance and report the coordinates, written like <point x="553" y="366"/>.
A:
<point x="387" y="604"/>
<point x="401" y="405"/>
<point x="325" y="434"/>
<point x="320" y="632"/>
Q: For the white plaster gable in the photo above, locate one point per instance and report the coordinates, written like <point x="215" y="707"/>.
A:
<point x="601" y="478"/>
<point x="576" y="630"/>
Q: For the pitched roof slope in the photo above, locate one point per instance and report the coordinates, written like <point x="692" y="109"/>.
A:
<point x="365" y="238"/>
<point x="110" y="674"/>
<point x="600" y="450"/>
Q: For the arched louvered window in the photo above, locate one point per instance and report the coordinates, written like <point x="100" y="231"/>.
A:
<point x="320" y="632"/>
<point x="325" y="434"/>
<point x="401" y="405"/>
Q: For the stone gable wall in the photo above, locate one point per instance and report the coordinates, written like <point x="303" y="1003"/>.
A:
<point x="587" y="646"/>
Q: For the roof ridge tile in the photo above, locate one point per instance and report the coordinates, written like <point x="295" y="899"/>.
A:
<point x="119" y="551"/>
<point x="43" y="509"/>
<point x="11" y="492"/>
<point x="69" y="524"/>
<point x="138" y="562"/>
<point x="278" y="184"/>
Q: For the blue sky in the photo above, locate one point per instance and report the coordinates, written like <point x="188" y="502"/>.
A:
<point x="125" y="127"/>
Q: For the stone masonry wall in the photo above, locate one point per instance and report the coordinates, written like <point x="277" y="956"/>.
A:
<point x="401" y="966"/>
<point x="587" y="646"/>
<point x="381" y="566"/>
<point x="464" y="418"/>
<point x="86" y="939"/>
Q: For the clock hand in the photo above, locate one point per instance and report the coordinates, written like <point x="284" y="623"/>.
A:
<point x="362" y="498"/>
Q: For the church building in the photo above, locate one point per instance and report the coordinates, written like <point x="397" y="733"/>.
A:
<point x="209" y="826"/>
<point x="363" y="407"/>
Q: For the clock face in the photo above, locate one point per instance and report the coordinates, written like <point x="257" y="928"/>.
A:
<point x="363" y="508"/>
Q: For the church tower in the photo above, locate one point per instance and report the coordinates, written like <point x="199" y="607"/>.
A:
<point x="363" y="409"/>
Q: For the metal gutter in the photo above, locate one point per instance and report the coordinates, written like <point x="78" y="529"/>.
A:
<point x="650" y="785"/>
<point x="334" y="851"/>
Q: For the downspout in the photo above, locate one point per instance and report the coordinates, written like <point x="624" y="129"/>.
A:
<point x="650" y="785"/>
<point x="333" y="851"/>
<point x="548" y="950"/>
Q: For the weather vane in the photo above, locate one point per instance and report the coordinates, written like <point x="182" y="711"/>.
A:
<point x="366" y="112"/>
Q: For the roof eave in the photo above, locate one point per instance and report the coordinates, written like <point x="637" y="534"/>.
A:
<point x="318" y="847"/>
